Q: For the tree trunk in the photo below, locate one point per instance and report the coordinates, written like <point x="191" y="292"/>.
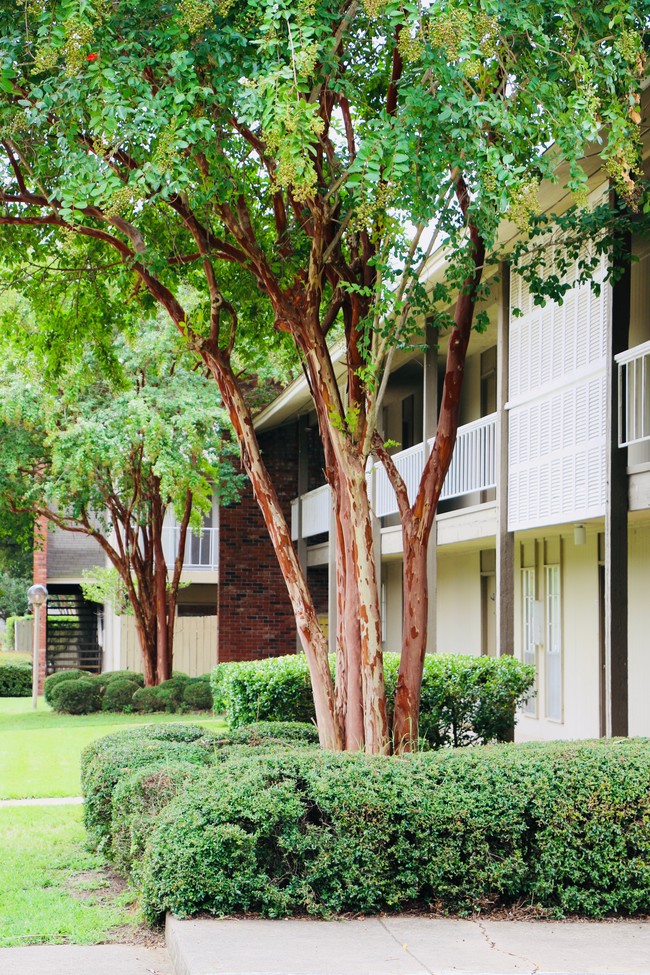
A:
<point x="418" y="521"/>
<point x="309" y="629"/>
<point x="148" y="647"/>
<point x="414" y="643"/>
<point x="363" y="611"/>
<point x="350" y="633"/>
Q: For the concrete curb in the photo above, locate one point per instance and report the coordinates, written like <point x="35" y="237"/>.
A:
<point x="407" y="946"/>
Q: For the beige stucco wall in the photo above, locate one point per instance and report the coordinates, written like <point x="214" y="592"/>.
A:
<point x="459" y="602"/>
<point x="580" y="634"/>
<point x="391" y="575"/>
<point x="638" y="631"/>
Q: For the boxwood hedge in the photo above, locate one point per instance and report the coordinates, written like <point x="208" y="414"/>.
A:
<point x="464" y="699"/>
<point x="15" y="680"/>
<point x="108" y="760"/>
<point x="563" y="826"/>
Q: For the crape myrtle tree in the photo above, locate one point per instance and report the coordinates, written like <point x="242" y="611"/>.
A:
<point x="105" y="448"/>
<point x="317" y="151"/>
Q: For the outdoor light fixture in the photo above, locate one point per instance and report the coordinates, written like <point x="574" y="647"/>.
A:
<point x="37" y="596"/>
<point x="579" y="535"/>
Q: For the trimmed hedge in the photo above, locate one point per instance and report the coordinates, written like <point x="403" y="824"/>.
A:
<point x="197" y="694"/>
<point x="108" y="760"/>
<point x="111" y="675"/>
<point x="118" y="694"/>
<point x="562" y="826"/>
<point x="464" y="699"/>
<point x="123" y="690"/>
<point x="81" y="696"/>
<point x="137" y="799"/>
<point x="15" y="680"/>
<point x="272" y="732"/>
<point x="59" y="677"/>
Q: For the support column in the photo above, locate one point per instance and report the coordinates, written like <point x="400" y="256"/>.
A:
<point x="302" y="486"/>
<point x="332" y="603"/>
<point x="505" y="540"/>
<point x="429" y="424"/>
<point x="40" y="578"/>
<point x="616" y="534"/>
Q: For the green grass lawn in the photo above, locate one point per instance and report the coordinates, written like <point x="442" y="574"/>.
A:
<point x="52" y="890"/>
<point x="40" y="750"/>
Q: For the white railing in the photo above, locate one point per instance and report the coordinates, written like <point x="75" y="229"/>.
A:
<point x="634" y="395"/>
<point x="201" y="548"/>
<point x="473" y="465"/>
<point x="473" y="469"/>
<point x="316" y="507"/>
<point x="410" y="464"/>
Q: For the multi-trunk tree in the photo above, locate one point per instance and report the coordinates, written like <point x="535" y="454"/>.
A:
<point x="109" y="455"/>
<point x="297" y="162"/>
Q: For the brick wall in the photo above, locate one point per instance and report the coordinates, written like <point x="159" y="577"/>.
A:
<point x="255" y="616"/>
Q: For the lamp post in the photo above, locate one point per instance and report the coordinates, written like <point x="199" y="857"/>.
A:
<point x="37" y="596"/>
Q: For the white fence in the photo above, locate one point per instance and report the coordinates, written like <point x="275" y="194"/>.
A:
<point x="195" y="645"/>
<point x="634" y="395"/>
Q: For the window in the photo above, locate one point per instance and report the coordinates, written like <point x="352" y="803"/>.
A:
<point x="529" y="637"/>
<point x="553" y="644"/>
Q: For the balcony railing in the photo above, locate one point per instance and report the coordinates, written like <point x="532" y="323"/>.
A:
<point x="473" y="469"/>
<point x="201" y="549"/>
<point x="634" y="395"/>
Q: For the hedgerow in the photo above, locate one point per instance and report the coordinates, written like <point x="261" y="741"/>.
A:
<point x="15" y="680"/>
<point x="108" y="760"/>
<point x="562" y="826"/>
<point x="464" y="699"/>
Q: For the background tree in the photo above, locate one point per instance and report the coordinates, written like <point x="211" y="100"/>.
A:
<point x="108" y="456"/>
<point x="16" y="556"/>
<point x="316" y="153"/>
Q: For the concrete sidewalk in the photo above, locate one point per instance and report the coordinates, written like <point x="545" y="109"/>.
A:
<point x="407" y="946"/>
<point x="82" y="960"/>
<point x="374" y="946"/>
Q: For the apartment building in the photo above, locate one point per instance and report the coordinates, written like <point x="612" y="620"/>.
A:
<point x="77" y="632"/>
<point x="542" y="541"/>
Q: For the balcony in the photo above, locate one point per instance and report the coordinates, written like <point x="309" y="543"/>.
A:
<point x="473" y="469"/>
<point x="634" y="396"/>
<point x="201" y="548"/>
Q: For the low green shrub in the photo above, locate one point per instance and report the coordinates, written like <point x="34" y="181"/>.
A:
<point x="274" y="689"/>
<point x="171" y="691"/>
<point x="111" y="675"/>
<point x="136" y="801"/>
<point x="151" y="699"/>
<point x="263" y="732"/>
<point x="53" y="681"/>
<point x="464" y="700"/>
<point x="197" y="695"/>
<point x="118" y="694"/>
<point x="108" y="760"/>
<point x="81" y="696"/>
<point x="562" y="826"/>
<point x="15" y="680"/>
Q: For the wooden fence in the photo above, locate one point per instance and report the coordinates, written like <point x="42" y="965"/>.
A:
<point x="23" y="636"/>
<point x="195" y="645"/>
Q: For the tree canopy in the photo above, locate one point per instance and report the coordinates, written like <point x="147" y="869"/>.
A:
<point x="296" y="162"/>
<point x="108" y="455"/>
